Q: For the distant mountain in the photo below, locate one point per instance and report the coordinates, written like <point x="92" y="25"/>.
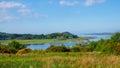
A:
<point x="63" y="35"/>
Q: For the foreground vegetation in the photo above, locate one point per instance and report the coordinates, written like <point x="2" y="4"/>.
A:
<point x="99" y="54"/>
<point x="40" y="59"/>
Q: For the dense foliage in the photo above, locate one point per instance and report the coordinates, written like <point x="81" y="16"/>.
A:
<point x="111" y="45"/>
<point x="64" y="35"/>
<point x="61" y="48"/>
<point x="6" y="49"/>
<point x="12" y="47"/>
<point x="16" y="45"/>
<point x="75" y="48"/>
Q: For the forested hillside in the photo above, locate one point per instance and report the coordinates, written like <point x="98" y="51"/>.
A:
<point x="63" y="35"/>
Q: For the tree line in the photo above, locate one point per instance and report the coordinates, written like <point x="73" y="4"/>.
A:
<point x="63" y="35"/>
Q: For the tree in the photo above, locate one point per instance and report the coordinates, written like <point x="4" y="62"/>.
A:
<point x="63" y="35"/>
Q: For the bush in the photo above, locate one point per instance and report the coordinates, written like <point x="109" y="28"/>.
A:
<point x="100" y="45"/>
<point x="117" y="49"/>
<point x="116" y="37"/>
<point x="7" y="50"/>
<point x="84" y="48"/>
<point x="53" y="48"/>
<point x="16" y="45"/>
<point x="92" y="46"/>
<point x="75" y="48"/>
<point x="110" y="47"/>
<point x="23" y="51"/>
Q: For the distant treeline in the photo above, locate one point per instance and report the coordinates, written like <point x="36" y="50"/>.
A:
<point x="63" y="35"/>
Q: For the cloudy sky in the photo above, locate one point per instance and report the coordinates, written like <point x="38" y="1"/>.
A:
<point x="47" y="16"/>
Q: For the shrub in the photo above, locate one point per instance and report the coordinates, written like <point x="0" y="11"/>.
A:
<point x="117" y="49"/>
<point x="7" y="50"/>
<point x="23" y="51"/>
<point x="53" y="48"/>
<point x="116" y="37"/>
<point x="101" y="45"/>
<point x="16" y="45"/>
<point x="84" y="48"/>
<point x="92" y="46"/>
<point x="110" y="47"/>
<point x="75" y="48"/>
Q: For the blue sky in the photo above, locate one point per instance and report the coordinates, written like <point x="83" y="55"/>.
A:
<point x="48" y="16"/>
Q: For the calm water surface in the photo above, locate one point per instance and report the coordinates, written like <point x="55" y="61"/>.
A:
<point x="46" y="45"/>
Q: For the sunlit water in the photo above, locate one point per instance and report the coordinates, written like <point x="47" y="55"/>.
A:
<point x="46" y="45"/>
<point x="68" y="44"/>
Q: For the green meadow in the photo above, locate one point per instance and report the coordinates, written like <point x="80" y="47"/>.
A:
<point x="60" y="60"/>
<point x="37" y="41"/>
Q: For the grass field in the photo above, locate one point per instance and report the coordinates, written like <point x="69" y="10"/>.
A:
<point x="60" y="60"/>
<point x="37" y="41"/>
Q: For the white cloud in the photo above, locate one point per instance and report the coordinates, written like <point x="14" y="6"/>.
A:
<point x="76" y="2"/>
<point x="67" y="3"/>
<point x="6" y="5"/>
<point x="20" y="11"/>
<point x="92" y="2"/>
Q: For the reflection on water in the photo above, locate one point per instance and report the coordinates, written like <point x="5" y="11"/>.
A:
<point x="68" y="44"/>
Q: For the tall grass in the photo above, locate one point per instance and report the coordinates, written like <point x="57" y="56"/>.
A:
<point x="60" y="60"/>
